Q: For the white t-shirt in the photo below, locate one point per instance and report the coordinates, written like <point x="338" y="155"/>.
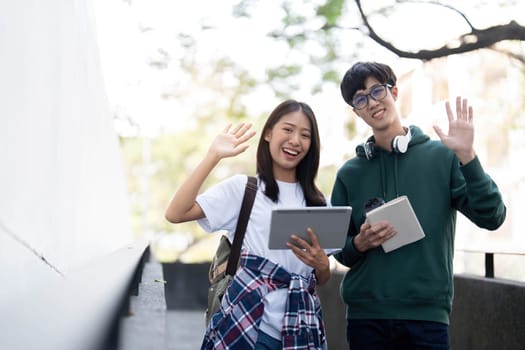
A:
<point x="221" y="204"/>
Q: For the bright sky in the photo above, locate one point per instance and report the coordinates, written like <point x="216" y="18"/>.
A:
<point x="135" y="86"/>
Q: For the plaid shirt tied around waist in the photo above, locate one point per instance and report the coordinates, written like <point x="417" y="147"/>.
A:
<point x="236" y="325"/>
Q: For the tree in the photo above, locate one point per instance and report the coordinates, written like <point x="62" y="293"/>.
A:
<point x="329" y="22"/>
<point x="210" y="92"/>
<point x="324" y="35"/>
<point x="474" y="39"/>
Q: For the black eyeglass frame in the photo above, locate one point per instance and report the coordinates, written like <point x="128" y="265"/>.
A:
<point x="384" y="87"/>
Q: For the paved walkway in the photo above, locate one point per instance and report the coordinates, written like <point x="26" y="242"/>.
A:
<point x="151" y="326"/>
<point x="185" y="330"/>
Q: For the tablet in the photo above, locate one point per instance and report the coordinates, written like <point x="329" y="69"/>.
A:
<point x="330" y="224"/>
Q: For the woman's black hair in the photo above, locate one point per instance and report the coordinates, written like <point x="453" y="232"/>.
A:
<point x="306" y="170"/>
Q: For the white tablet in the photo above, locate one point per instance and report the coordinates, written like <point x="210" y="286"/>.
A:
<point x="330" y="224"/>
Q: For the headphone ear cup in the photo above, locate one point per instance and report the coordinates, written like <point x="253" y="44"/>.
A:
<point x="395" y="144"/>
<point x="369" y="150"/>
<point x="400" y="142"/>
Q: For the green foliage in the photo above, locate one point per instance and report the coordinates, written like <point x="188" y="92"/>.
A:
<point x="243" y="8"/>
<point x="283" y="71"/>
<point x="156" y="167"/>
<point x="331" y="10"/>
<point x="331" y="75"/>
<point x="351" y="128"/>
<point x="280" y="79"/>
<point x="314" y="35"/>
<point x="292" y="18"/>
<point x="325" y="179"/>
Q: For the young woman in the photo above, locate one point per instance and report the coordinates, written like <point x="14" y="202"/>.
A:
<point x="271" y="302"/>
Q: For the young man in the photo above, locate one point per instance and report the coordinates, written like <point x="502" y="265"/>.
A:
<point x="402" y="299"/>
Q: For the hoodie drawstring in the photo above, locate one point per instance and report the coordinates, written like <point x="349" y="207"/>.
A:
<point x="383" y="175"/>
<point x="396" y="175"/>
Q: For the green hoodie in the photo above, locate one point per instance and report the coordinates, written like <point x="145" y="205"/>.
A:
<point x="414" y="282"/>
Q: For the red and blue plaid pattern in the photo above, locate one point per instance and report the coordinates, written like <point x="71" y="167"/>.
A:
<point x="236" y="325"/>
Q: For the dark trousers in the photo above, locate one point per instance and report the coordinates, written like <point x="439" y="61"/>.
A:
<point x="376" y="334"/>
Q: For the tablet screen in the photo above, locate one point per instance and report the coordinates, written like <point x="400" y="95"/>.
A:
<point x="330" y="224"/>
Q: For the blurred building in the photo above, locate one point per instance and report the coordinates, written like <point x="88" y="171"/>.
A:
<point x="63" y="198"/>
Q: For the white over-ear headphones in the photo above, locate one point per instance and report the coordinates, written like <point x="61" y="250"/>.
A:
<point x="399" y="144"/>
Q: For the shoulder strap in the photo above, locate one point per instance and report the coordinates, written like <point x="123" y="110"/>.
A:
<point x="242" y="222"/>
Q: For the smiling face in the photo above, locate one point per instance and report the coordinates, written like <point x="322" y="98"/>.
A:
<point x="382" y="114"/>
<point x="289" y="141"/>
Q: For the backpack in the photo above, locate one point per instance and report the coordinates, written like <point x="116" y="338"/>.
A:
<point x="226" y="258"/>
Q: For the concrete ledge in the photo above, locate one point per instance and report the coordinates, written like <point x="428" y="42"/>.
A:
<point x="334" y="312"/>
<point x="186" y="285"/>
<point x="145" y="326"/>
<point x="488" y="313"/>
<point x="81" y="311"/>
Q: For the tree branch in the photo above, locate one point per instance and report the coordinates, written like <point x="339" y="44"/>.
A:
<point x="475" y="40"/>
<point x="442" y="5"/>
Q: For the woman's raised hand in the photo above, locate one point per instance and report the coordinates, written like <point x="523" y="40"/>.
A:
<point x="232" y="140"/>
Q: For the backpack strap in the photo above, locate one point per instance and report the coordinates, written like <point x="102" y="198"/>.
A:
<point x="244" y="215"/>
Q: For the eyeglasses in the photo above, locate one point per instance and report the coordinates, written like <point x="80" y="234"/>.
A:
<point x="377" y="93"/>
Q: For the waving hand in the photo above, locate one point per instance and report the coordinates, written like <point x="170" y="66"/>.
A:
<point x="460" y="138"/>
<point x="231" y="141"/>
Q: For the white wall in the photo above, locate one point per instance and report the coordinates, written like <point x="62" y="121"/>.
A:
<point x="63" y="197"/>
